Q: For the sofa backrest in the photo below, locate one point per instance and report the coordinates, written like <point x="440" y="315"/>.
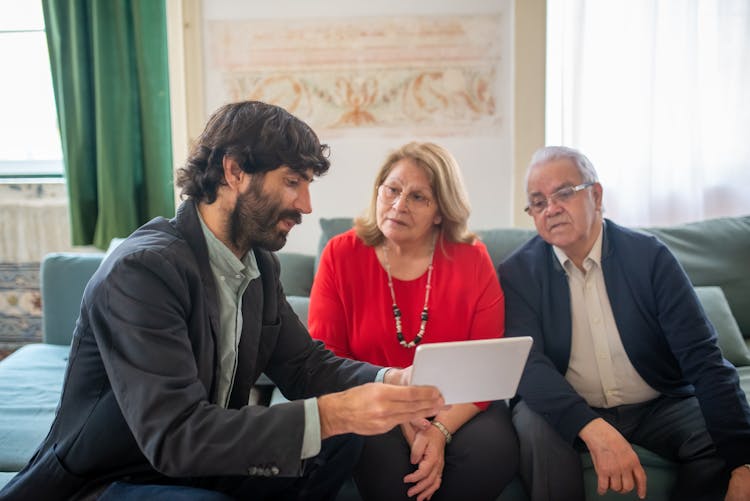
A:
<point x="63" y="278"/>
<point x="501" y="242"/>
<point x="297" y="271"/>
<point x="715" y="252"/>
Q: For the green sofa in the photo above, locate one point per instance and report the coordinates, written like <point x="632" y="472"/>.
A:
<point x="715" y="254"/>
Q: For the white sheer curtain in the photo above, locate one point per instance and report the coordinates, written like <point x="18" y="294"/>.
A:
<point x="657" y="94"/>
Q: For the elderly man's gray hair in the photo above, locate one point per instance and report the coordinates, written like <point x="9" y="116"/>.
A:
<point x="552" y="153"/>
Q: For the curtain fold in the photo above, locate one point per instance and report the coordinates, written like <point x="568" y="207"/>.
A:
<point x="656" y="94"/>
<point x="111" y="82"/>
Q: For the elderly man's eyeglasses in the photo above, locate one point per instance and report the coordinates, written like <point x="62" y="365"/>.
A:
<point x="561" y="196"/>
<point x="414" y="200"/>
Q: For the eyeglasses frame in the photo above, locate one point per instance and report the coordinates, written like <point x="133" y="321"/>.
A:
<point x="554" y="196"/>
<point x="398" y="197"/>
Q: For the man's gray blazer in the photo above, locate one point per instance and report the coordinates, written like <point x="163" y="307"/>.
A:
<point x="139" y="395"/>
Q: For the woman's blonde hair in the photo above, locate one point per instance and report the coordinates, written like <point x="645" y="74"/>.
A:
<point x="447" y="186"/>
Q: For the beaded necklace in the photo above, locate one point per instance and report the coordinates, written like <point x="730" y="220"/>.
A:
<point x="397" y="311"/>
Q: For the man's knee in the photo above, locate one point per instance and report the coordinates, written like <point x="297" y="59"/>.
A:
<point x="343" y="451"/>
<point x="550" y="467"/>
<point x="532" y="427"/>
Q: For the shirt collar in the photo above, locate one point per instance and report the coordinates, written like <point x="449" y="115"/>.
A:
<point x="224" y="259"/>
<point x="594" y="256"/>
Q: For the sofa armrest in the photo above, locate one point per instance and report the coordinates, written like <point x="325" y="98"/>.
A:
<point x="63" y="278"/>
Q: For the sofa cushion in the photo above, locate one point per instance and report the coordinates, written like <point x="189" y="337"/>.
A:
<point x="5" y="477"/>
<point x="715" y="252"/>
<point x="330" y="227"/>
<point x="717" y="309"/>
<point x="300" y="306"/>
<point x="501" y="242"/>
<point x="64" y="276"/>
<point x="30" y="385"/>
<point x="744" y="373"/>
<point x="296" y="273"/>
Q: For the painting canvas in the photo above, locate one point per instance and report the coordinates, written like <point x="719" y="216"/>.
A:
<point x="430" y="75"/>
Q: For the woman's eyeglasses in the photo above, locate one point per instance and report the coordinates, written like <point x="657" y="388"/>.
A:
<point x="414" y="199"/>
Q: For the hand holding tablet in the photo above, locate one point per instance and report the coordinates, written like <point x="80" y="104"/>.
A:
<point x="472" y="371"/>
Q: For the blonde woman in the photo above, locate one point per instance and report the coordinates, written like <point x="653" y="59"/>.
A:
<point x="411" y="272"/>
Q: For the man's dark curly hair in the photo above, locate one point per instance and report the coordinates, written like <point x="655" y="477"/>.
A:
<point x="260" y="137"/>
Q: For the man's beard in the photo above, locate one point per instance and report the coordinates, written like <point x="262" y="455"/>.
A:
<point x="254" y="220"/>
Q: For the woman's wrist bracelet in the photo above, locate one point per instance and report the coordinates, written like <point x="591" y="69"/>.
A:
<point x="440" y="426"/>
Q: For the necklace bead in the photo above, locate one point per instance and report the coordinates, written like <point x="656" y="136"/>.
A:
<point x="397" y="312"/>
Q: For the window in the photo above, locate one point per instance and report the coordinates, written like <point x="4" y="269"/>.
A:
<point x="656" y="95"/>
<point x="29" y="135"/>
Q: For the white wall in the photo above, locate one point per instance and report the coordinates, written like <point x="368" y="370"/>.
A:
<point x="485" y="156"/>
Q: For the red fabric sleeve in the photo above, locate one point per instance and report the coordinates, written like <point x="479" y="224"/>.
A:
<point x="489" y="316"/>
<point x="326" y="317"/>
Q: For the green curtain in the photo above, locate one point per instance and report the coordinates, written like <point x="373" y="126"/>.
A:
<point x="111" y="81"/>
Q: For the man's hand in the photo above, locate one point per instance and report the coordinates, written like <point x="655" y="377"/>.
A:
<point x="739" y="485"/>
<point x="616" y="463"/>
<point x="428" y="451"/>
<point x="375" y="408"/>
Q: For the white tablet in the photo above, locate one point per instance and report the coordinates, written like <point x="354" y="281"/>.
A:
<point x="472" y="371"/>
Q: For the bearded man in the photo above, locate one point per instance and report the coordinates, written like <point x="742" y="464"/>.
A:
<point x="179" y="322"/>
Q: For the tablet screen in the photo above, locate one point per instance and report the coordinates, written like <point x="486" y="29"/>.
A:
<point x="472" y="371"/>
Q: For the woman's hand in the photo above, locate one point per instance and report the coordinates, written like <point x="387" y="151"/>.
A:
<point x="413" y="427"/>
<point x="409" y="433"/>
<point x="428" y="452"/>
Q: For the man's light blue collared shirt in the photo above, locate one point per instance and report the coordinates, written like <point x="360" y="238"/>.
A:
<point x="232" y="277"/>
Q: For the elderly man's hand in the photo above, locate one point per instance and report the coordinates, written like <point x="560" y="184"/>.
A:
<point x="375" y="408"/>
<point x="739" y="485"/>
<point x="616" y="463"/>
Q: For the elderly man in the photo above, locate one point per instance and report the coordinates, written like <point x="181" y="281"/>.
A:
<point x="623" y="352"/>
